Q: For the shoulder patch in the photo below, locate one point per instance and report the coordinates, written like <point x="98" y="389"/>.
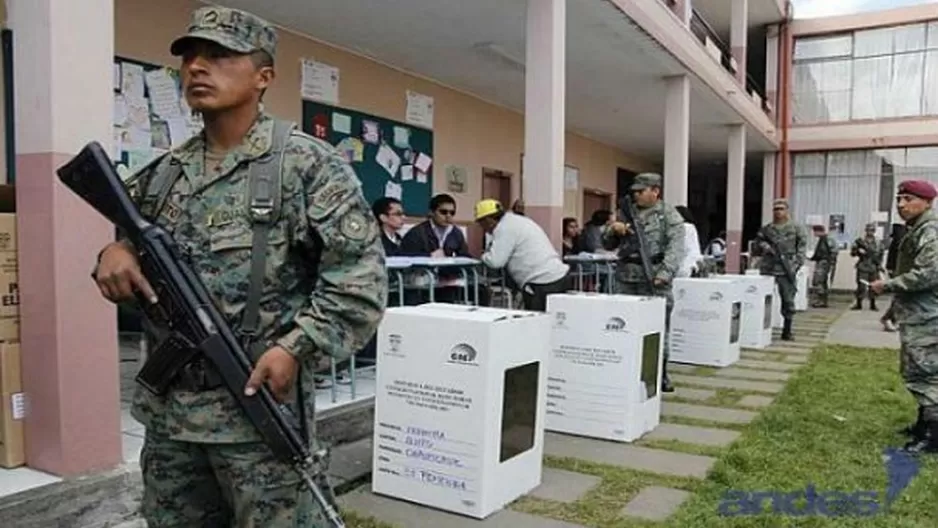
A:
<point x="354" y="225"/>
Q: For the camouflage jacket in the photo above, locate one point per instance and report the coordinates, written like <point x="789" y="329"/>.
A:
<point x="825" y="251"/>
<point x="664" y="233"/>
<point x="873" y="251"/>
<point x="325" y="286"/>
<point x="915" y="283"/>
<point x="792" y="243"/>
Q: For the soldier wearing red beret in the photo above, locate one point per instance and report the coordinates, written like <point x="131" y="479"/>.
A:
<point x="915" y="303"/>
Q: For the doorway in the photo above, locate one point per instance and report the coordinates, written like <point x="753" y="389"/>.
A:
<point x="496" y="184"/>
<point x="594" y="200"/>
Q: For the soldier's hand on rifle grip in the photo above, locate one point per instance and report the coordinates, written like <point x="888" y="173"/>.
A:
<point x="278" y="368"/>
<point x="118" y="275"/>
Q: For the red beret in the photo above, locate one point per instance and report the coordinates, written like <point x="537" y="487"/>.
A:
<point x="921" y="188"/>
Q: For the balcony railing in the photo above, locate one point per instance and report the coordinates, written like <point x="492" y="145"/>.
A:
<point x="722" y="54"/>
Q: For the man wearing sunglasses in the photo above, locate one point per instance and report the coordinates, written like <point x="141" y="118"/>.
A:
<point x="438" y="236"/>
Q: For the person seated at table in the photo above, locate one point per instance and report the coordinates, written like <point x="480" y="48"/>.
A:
<point x="522" y="248"/>
<point x="439" y="237"/>
<point x="592" y="235"/>
<point x="571" y="237"/>
<point x="390" y="215"/>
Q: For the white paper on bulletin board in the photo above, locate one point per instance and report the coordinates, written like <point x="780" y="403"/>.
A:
<point x="319" y="82"/>
<point x="419" y="109"/>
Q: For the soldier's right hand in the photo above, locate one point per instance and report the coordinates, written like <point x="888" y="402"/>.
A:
<point x="620" y="228"/>
<point x="119" y="277"/>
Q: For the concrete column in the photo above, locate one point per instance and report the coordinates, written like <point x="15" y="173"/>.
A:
<point x="63" y="60"/>
<point x="735" y="195"/>
<point x="544" y="123"/>
<point x="771" y="69"/>
<point x="676" y="140"/>
<point x="768" y="186"/>
<point x="739" y="33"/>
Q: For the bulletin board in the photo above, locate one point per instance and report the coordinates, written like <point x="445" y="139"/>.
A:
<point x="390" y="158"/>
<point x="150" y="113"/>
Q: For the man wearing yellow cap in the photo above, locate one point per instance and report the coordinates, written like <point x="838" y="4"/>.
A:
<point x="276" y="225"/>
<point x="523" y="249"/>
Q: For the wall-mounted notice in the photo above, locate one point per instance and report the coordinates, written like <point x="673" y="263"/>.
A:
<point x="319" y="82"/>
<point x="419" y="109"/>
<point x="459" y="406"/>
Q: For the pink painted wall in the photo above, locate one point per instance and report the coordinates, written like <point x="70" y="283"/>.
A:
<point x="468" y="132"/>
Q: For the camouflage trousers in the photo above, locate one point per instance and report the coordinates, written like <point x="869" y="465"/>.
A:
<point x="639" y="288"/>
<point x="188" y="484"/>
<point x="820" y="281"/>
<point x="918" y="362"/>
<point x="786" y="291"/>
<point x="862" y="290"/>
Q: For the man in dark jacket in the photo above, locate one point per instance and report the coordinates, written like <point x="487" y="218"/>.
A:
<point x="438" y="236"/>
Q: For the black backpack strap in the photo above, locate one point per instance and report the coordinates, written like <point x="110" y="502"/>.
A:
<point x="265" y="188"/>
<point x="165" y="172"/>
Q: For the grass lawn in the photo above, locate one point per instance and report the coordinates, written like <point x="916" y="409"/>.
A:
<point x="829" y="429"/>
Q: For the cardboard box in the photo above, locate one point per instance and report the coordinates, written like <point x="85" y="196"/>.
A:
<point x="12" y="407"/>
<point x="605" y="366"/>
<point x="9" y="285"/>
<point x="758" y="306"/>
<point x="459" y="406"/>
<point x="10" y="368"/>
<point x="9" y="328"/>
<point x="12" y="442"/>
<point x="706" y="321"/>
<point x="7" y="231"/>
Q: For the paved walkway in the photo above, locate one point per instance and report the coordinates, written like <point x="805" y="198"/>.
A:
<point x="705" y="414"/>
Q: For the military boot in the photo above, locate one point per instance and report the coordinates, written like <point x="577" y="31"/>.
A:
<point x="873" y="305"/>
<point x="917" y="430"/>
<point x="927" y="443"/>
<point x="786" y="330"/>
<point x="858" y="305"/>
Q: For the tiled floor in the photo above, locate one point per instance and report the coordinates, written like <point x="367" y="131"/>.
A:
<point x="21" y="479"/>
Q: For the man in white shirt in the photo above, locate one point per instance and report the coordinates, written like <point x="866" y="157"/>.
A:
<point x="520" y="246"/>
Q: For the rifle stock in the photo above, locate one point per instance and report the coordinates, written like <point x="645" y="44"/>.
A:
<point x="628" y="212"/>
<point x="186" y="310"/>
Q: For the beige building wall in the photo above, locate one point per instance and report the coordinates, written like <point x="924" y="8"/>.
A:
<point x="468" y="132"/>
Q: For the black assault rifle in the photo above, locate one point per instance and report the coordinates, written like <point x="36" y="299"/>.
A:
<point x="773" y="244"/>
<point x="629" y="216"/>
<point x="186" y="311"/>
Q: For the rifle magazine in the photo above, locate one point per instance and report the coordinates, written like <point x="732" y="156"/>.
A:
<point x="164" y="364"/>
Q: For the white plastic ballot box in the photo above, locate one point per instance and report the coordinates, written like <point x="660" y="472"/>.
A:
<point x="459" y="406"/>
<point x="706" y="321"/>
<point x="758" y="305"/>
<point x="605" y="365"/>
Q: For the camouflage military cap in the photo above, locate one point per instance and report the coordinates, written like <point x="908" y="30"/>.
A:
<point x="645" y="180"/>
<point x="870" y="227"/>
<point x="237" y="30"/>
<point x="781" y="202"/>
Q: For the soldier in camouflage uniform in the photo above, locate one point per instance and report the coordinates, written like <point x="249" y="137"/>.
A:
<point x="915" y="300"/>
<point x="870" y="253"/>
<point x="322" y="292"/>
<point x="664" y="233"/>
<point x="825" y="259"/>
<point x="792" y="241"/>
